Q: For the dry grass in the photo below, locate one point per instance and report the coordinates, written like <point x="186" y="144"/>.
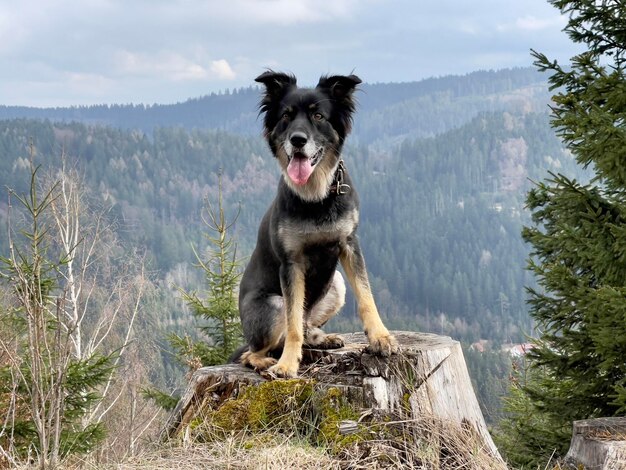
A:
<point x="233" y="453"/>
<point x="424" y="443"/>
<point x="416" y="444"/>
<point x="237" y="452"/>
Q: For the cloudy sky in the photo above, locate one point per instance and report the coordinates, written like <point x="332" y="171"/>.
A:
<point x="74" y="52"/>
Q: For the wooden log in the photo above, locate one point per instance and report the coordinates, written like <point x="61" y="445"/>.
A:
<point x="598" y="444"/>
<point x="215" y="384"/>
<point x="428" y="378"/>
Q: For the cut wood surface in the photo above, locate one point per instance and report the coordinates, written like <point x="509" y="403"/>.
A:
<point x="598" y="444"/>
<point x="429" y="378"/>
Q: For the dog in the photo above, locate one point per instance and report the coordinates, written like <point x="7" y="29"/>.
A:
<point x="291" y="287"/>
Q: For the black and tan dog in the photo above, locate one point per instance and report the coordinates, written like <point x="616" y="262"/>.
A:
<point x="291" y="286"/>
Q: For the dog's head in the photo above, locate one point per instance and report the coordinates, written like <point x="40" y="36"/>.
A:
<point x="306" y="128"/>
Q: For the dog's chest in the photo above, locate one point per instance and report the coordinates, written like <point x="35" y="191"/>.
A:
<point x="296" y="236"/>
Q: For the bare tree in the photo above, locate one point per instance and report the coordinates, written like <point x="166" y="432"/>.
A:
<point x="76" y="297"/>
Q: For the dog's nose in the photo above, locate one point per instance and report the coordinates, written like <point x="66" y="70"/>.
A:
<point x="298" y="139"/>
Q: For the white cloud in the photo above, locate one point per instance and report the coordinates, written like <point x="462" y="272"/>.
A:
<point x="171" y="66"/>
<point x="532" y="23"/>
<point x="89" y="83"/>
<point x="222" y="70"/>
<point x="64" y="51"/>
<point x="286" y="12"/>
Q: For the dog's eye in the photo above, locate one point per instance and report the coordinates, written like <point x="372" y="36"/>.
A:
<point x="285" y="116"/>
<point x="318" y="116"/>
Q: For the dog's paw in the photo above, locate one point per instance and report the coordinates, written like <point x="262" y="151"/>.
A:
<point x="317" y="339"/>
<point x="264" y="363"/>
<point x="256" y="361"/>
<point x="281" y="371"/>
<point x="331" y="342"/>
<point x="383" y="345"/>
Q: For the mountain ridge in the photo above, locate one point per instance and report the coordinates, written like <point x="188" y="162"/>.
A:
<point x="379" y="103"/>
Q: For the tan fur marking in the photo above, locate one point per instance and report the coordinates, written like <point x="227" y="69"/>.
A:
<point x="289" y="361"/>
<point x="378" y="336"/>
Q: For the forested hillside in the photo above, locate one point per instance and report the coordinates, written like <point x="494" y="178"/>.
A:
<point x="442" y="166"/>
<point x="386" y="111"/>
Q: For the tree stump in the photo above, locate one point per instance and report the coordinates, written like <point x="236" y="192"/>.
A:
<point x="598" y="444"/>
<point x="427" y="378"/>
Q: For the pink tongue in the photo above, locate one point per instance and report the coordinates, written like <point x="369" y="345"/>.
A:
<point x="299" y="170"/>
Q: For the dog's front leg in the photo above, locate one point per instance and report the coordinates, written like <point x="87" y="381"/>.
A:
<point x="381" y="341"/>
<point x="292" y="284"/>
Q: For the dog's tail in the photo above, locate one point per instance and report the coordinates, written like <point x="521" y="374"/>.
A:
<point x="236" y="356"/>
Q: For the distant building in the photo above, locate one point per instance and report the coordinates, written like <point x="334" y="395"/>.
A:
<point x="480" y="345"/>
<point x="517" y="350"/>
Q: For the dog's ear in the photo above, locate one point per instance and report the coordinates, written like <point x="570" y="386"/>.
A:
<point x="339" y="87"/>
<point x="276" y="85"/>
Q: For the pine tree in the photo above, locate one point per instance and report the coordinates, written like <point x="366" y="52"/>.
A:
<point x="217" y="310"/>
<point x="578" y="241"/>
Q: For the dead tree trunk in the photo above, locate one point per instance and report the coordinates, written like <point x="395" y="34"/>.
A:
<point x="598" y="444"/>
<point x="428" y="378"/>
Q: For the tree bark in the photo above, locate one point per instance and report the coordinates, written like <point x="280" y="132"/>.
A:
<point x="598" y="444"/>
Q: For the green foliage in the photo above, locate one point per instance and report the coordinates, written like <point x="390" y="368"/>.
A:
<point x="440" y="226"/>
<point x="217" y="311"/>
<point x="526" y="438"/>
<point x="579" y="240"/>
<point x="45" y="391"/>
<point x="164" y="400"/>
